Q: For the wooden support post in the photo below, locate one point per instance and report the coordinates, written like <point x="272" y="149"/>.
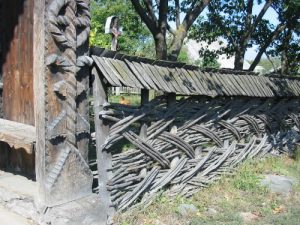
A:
<point x="104" y="158"/>
<point x="144" y="96"/>
<point x="61" y="30"/>
<point x="171" y="99"/>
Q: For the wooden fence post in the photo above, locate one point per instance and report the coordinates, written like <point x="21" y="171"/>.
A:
<point x="104" y="158"/>
<point x="144" y="96"/>
<point x="171" y="99"/>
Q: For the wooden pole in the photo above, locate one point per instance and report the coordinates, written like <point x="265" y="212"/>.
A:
<point x="104" y="158"/>
<point x="144" y="96"/>
<point x="63" y="174"/>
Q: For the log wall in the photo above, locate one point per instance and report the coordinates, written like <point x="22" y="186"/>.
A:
<point x="16" y="63"/>
<point x="17" y="59"/>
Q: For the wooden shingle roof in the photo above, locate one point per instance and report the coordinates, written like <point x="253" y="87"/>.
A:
<point x="173" y="77"/>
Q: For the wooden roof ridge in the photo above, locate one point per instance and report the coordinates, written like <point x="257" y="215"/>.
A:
<point x="102" y="52"/>
<point x="175" y="77"/>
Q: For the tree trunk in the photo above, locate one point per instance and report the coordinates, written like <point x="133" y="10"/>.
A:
<point x="177" y="44"/>
<point x="284" y="54"/>
<point x="160" y="46"/>
<point x="239" y="58"/>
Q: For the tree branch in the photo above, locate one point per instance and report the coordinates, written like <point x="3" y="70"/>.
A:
<point x="146" y="19"/>
<point x="177" y="13"/>
<point x="149" y="6"/>
<point x="264" y="47"/>
<point x="195" y="10"/>
<point x="226" y="32"/>
<point x="163" y="16"/>
<point x="249" y="30"/>
<point x="249" y="14"/>
<point x="171" y="30"/>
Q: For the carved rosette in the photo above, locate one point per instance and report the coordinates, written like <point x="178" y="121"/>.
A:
<point x="67" y="175"/>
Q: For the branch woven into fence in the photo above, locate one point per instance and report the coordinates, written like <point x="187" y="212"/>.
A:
<point x="182" y="148"/>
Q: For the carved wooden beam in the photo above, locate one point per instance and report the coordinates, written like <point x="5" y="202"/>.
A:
<point x="61" y="29"/>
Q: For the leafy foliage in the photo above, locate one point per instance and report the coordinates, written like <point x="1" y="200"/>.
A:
<point x="236" y="24"/>
<point x="287" y="44"/>
<point x="135" y="35"/>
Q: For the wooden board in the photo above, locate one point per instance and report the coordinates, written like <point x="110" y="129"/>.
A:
<point x="18" y="135"/>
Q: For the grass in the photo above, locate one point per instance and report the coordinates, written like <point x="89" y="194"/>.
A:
<point x="230" y="196"/>
<point x="135" y="100"/>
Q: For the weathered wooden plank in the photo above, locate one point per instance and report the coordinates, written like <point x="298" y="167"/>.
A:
<point x="122" y="68"/>
<point x="217" y="84"/>
<point x="196" y="89"/>
<point x="111" y="67"/>
<point x="163" y="76"/>
<point x="186" y="81"/>
<point x="213" y="87"/>
<point x="273" y="86"/>
<point x="203" y="82"/>
<point x="113" y="80"/>
<point x="171" y="79"/>
<point x="137" y="75"/>
<point x="221" y="81"/>
<point x="150" y="75"/>
<point x="266" y="85"/>
<point x="141" y="72"/>
<point x="156" y="78"/>
<point x="248" y="83"/>
<point x="18" y="135"/>
<point x="238" y="86"/>
<point x="297" y="85"/>
<point x="199" y="82"/>
<point x="159" y="74"/>
<point x="256" y="87"/>
<point x="179" y="81"/>
<point x="259" y="86"/>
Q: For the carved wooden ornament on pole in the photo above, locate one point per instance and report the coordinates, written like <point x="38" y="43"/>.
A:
<point x="112" y="26"/>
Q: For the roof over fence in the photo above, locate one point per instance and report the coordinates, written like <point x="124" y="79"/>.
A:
<point x="173" y="77"/>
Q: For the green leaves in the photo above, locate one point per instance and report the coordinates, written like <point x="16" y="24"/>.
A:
<point x="135" y="34"/>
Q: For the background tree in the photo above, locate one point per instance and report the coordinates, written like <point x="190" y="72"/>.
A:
<point x="157" y="15"/>
<point x="284" y="41"/>
<point x="136" y="37"/>
<point x="233" y="22"/>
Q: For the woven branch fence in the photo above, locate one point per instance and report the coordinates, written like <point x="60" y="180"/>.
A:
<point x="183" y="147"/>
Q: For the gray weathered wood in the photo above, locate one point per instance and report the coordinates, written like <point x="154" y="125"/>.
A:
<point x="18" y="135"/>
<point x="102" y="131"/>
